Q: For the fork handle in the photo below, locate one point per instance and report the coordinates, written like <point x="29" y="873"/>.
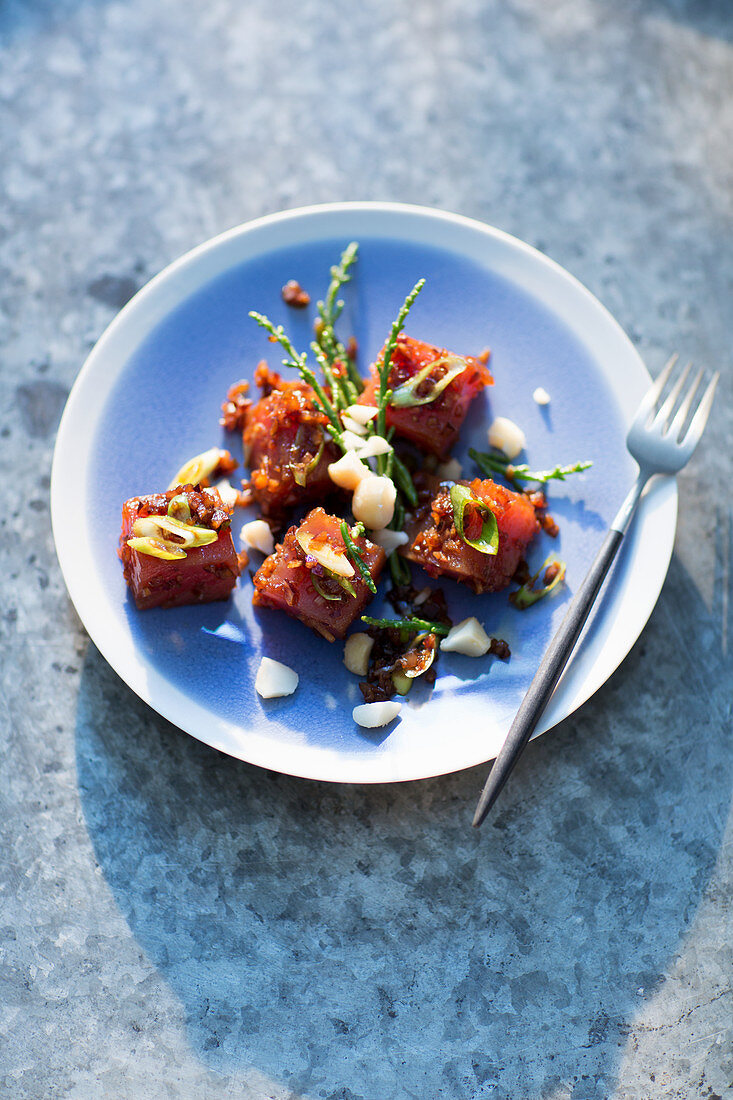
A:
<point x="555" y="658"/>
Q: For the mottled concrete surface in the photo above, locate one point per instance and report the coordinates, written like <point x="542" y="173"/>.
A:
<point x="175" y="924"/>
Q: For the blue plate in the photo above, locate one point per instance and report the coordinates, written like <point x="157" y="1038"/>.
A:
<point x="149" y="396"/>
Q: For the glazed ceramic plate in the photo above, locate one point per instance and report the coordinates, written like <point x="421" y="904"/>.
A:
<point x="148" y="398"/>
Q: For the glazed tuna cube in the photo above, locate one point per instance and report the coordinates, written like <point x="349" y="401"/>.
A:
<point x="177" y="548"/>
<point x="287" y="446"/>
<point x="437" y="546"/>
<point x="424" y="408"/>
<point x="311" y="577"/>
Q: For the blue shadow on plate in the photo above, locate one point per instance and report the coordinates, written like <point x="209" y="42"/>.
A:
<point x="364" y="941"/>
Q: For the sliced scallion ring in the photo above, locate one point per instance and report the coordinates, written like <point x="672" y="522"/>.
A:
<point x="322" y="592"/>
<point x="198" y="468"/>
<point x="342" y="582"/>
<point x="525" y="596"/>
<point x="301" y="469"/>
<point x="401" y="682"/>
<point x="179" y="508"/>
<point x="488" y="541"/>
<point x="406" y="396"/>
<point x="420" y="655"/>
<point x="190" y="535"/>
<point x="157" y="548"/>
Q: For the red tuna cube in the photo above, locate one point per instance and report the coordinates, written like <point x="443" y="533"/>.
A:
<point x="433" y="426"/>
<point x="287" y="446"/>
<point x="204" y="574"/>
<point x="440" y="550"/>
<point x="299" y="579"/>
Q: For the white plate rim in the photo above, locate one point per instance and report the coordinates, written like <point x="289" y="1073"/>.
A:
<point x="593" y="662"/>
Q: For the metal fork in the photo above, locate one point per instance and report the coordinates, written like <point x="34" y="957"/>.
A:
<point x="661" y="439"/>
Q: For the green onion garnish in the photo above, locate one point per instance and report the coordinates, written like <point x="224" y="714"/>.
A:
<point x="488" y="541"/>
<point x="525" y="596"/>
<point x="406" y="396"/>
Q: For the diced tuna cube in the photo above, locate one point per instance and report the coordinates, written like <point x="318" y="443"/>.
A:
<point x="204" y="574"/>
<point x="436" y="545"/>
<point x="287" y="446"/>
<point x="435" y="425"/>
<point x="311" y="577"/>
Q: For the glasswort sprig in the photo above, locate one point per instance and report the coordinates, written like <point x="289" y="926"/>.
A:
<point x="410" y="623"/>
<point x="499" y="464"/>
<point x="386" y="364"/>
<point x="299" y="362"/>
<point x="354" y="553"/>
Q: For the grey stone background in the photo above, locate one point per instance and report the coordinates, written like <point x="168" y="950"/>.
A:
<point x="176" y="924"/>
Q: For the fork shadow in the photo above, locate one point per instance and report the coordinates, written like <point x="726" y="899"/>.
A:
<point x="364" y="941"/>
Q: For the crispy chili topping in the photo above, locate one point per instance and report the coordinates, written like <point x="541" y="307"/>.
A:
<point x="207" y="508"/>
<point x="548" y="525"/>
<point x="538" y="500"/>
<point x="294" y="295"/>
<point x="234" y="409"/>
<point x="266" y="380"/>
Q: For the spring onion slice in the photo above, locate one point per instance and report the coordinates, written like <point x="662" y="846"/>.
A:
<point x="488" y="542"/>
<point x="179" y="508"/>
<point x="301" y="470"/>
<point x="190" y="535"/>
<point x="527" y="595"/>
<point x="424" y="647"/>
<point x="342" y="582"/>
<point x="406" y="397"/>
<point x="156" y="548"/>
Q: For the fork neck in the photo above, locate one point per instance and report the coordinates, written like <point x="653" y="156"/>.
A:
<point x="626" y="511"/>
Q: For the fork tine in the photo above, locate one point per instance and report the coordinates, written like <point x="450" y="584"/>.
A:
<point x="667" y="408"/>
<point x="697" y="424"/>
<point x="684" y="410"/>
<point x="652" y="395"/>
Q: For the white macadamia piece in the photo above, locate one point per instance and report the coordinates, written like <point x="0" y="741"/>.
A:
<point x="356" y="653"/>
<point x="353" y="425"/>
<point x="351" y="441"/>
<point x="348" y="471"/>
<point x="390" y="540"/>
<point x="541" y="396"/>
<point x="362" y="414"/>
<point x="468" y="637"/>
<point x="507" y="436"/>
<point x="258" y="535"/>
<point x="275" y="679"/>
<point x="372" y="715"/>
<point x="227" y="492"/>
<point x="375" y="445"/>
<point x="450" y="470"/>
<point x="373" y="502"/>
